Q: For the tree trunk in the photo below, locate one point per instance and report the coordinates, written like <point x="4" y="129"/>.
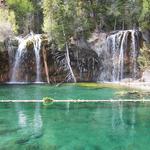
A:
<point x="115" y="24"/>
<point x="123" y="23"/>
<point x="45" y="64"/>
<point x="94" y="15"/>
<point x="67" y="56"/>
<point x="68" y="61"/>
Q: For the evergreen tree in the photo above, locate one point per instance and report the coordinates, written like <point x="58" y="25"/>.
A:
<point x="145" y="15"/>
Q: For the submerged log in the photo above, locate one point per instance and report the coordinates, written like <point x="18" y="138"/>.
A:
<point x="75" y="101"/>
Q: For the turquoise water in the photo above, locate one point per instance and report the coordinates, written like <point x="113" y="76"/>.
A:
<point x="102" y="126"/>
<point x="72" y="91"/>
<point x="71" y="126"/>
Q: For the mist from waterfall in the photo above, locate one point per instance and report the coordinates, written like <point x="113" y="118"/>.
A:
<point x="21" y="51"/>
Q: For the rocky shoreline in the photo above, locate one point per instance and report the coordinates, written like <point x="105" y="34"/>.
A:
<point x="136" y="85"/>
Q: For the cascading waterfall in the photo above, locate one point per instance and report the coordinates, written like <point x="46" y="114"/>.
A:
<point x="134" y="54"/>
<point x="21" y="51"/>
<point x="118" y="46"/>
<point x="37" y="47"/>
<point x="113" y="57"/>
<point x="37" y="121"/>
<point x="118" y="58"/>
<point x="121" y="57"/>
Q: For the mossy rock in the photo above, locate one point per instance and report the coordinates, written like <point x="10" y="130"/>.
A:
<point x="47" y="101"/>
<point x="101" y="85"/>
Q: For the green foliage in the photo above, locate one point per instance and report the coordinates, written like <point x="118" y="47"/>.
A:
<point x="21" y="9"/>
<point x="47" y="101"/>
<point x="73" y="17"/>
<point x="63" y="19"/>
<point x="145" y="15"/>
<point x="21" y="6"/>
<point x="144" y="58"/>
<point x="8" y="20"/>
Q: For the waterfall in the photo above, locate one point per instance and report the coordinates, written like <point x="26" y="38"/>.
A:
<point x="21" y="51"/>
<point x="121" y="56"/>
<point x="119" y="47"/>
<point x="134" y="54"/>
<point x="37" y="47"/>
<point x="113" y="56"/>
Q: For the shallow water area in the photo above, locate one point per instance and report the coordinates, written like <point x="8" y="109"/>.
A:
<point x="65" y="91"/>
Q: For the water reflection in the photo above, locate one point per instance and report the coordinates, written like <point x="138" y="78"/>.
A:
<point x="88" y="126"/>
<point x="133" y="116"/>
<point x="38" y="123"/>
<point x="121" y="113"/>
<point x="117" y="115"/>
<point x="37" y="114"/>
<point x="22" y="119"/>
<point x="67" y="107"/>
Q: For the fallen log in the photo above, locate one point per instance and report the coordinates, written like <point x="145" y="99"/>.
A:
<point x="75" y="101"/>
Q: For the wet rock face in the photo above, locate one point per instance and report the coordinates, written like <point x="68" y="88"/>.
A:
<point x="85" y="63"/>
<point x="4" y="67"/>
<point x="98" y="42"/>
<point x="146" y="36"/>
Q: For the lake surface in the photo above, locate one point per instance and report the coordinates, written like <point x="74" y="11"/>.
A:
<point x="66" y="91"/>
<point x="71" y="126"/>
<point x="68" y="126"/>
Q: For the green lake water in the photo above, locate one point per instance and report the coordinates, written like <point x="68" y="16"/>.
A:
<point x="68" y="91"/>
<point x="71" y="126"/>
<point x="95" y="126"/>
